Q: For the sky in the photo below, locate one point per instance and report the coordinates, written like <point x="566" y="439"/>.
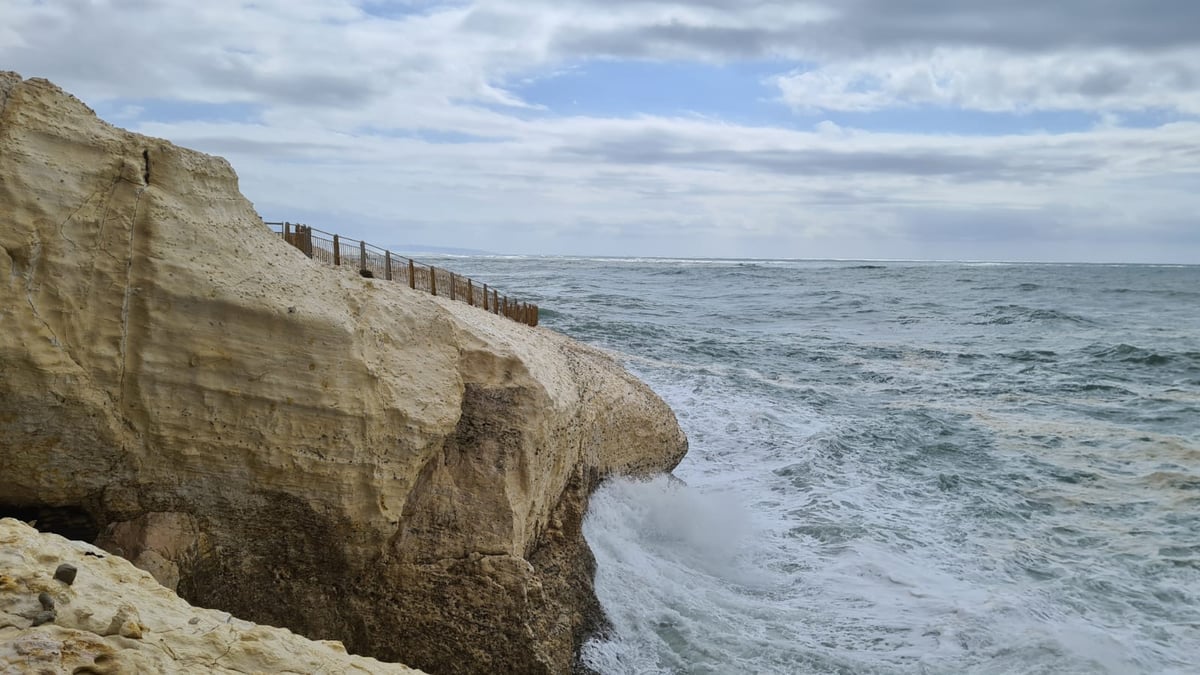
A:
<point x="1043" y="130"/>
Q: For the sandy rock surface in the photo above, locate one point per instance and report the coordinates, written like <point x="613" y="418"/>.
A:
<point x="289" y="442"/>
<point x="115" y="618"/>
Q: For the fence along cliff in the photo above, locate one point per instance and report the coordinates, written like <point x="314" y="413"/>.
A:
<point x="378" y="263"/>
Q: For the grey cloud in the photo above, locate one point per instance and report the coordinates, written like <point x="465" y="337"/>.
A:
<point x="234" y="145"/>
<point x="667" y="39"/>
<point x="1037" y="25"/>
<point x="136" y="5"/>
<point x="1046" y="232"/>
<point x="867" y="26"/>
<point x="1182" y="229"/>
<point x="662" y="149"/>
<point x="131" y="47"/>
<point x="983" y="225"/>
<point x="320" y="89"/>
<point x="492" y="22"/>
<point x="1106" y="82"/>
<point x="832" y="197"/>
<point x="1182" y="77"/>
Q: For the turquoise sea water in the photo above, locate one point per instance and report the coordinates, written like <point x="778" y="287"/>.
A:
<point x="897" y="467"/>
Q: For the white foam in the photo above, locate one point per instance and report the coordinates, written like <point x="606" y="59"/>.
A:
<point x="696" y="558"/>
<point x="902" y="524"/>
<point x="774" y="560"/>
<point x="694" y="582"/>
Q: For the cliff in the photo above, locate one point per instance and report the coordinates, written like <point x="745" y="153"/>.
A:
<point x="295" y="444"/>
<point x="115" y="618"/>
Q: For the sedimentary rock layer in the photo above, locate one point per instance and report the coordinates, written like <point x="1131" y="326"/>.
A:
<point x="295" y="444"/>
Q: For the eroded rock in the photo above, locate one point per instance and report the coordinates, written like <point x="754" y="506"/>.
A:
<point x="295" y="444"/>
<point x="151" y="629"/>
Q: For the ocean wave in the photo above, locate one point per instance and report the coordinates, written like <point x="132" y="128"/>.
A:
<point x="1031" y="356"/>
<point x="1173" y="480"/>
<point x="1127" y="353"/>
<point x="1003" y="315"/>
<point x="950" y="495"/>
<point x="1094" y="387"/>
<point x="1167" y="293"/>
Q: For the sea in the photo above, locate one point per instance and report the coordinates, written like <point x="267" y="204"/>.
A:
<point x="895" y="467"/>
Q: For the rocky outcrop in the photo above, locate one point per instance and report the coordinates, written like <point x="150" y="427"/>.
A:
<point x="294" y="444"/>
<point x="115" y="618"/>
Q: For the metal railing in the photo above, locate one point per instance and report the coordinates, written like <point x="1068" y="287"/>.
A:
<point x="377" y="263"/>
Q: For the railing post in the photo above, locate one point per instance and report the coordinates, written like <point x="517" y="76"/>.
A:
<point x="495" y="302"/>
<point x="452" y="285"/>
<point x="387" y="265"/>
<point x="470" y="293"/>
<point x="362" y="255"/>
<point x="432" y="280"/>
<point x="287" y="232"/>
<point x="306" y="240"/>
<point x="485" y="297"/>
<point x="337" y="252"/>
<point x="412" y="274"/>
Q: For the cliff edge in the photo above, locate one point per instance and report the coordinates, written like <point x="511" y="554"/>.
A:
<point x="300" y="446"/>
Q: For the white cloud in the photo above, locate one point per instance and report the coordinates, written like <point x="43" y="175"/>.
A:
<point x="332" y="53"/>
<point x="993" y="81"/>
<point x="343" y="97"/>
<point x="766" y="186"/>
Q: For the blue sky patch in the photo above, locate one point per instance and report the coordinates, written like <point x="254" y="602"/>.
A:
<point x="955" y="121"/>
<point x="401" y="9"/>
<point x="431" y="135"/>
<point x="735" y="92"/>
<point x="743" y="93"/>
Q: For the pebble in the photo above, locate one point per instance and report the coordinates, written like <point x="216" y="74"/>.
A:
<point x="44" y="616"/>
<point x="66" y="573"/>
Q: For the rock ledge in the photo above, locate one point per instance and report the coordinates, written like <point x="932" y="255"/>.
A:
<point x="115" y="618"/>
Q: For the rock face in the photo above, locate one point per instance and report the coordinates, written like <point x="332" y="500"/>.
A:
<point x="115" y="618"/>
<point x="291" y="443"/>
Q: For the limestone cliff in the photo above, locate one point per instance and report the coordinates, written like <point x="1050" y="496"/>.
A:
<point x="291" y="443"/>
<point x="115" y="618"/>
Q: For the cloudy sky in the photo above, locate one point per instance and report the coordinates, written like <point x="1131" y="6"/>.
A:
<point x="929" y="129"/>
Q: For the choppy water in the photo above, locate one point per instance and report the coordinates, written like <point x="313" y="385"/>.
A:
<point x="897" y="468"/>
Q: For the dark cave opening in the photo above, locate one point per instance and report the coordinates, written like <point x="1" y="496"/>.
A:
<point x="71" y="522"/>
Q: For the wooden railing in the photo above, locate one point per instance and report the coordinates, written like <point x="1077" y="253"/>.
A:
<point x="378" y="263"/>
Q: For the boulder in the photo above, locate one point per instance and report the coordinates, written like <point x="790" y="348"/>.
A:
<point x="289" y="442"/>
